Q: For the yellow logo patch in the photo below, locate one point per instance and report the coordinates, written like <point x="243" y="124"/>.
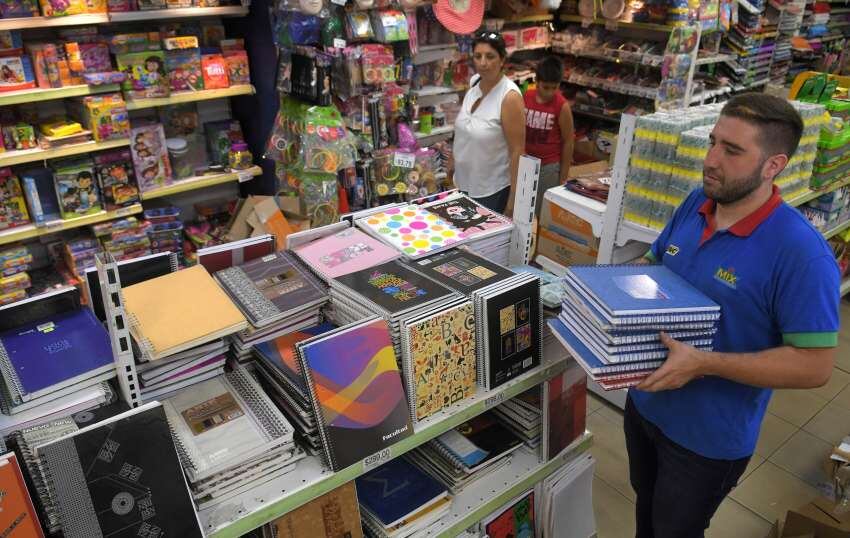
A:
<point x="727" y="276"/>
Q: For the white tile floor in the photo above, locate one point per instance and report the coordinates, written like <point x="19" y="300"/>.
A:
<point x="799" y="430"/>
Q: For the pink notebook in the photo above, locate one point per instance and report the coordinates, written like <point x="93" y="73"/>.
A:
<point x="345" y="252"/>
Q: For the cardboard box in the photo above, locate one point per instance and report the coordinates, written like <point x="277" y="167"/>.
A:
<point x="578" y="170"/>
<point x="818" y="519"/>
<point x="559" y="221"/>
<point x="563" y="251"/>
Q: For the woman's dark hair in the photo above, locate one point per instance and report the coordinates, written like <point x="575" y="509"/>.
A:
<point x="549" y="69"/>
<point x="494" y="39"/>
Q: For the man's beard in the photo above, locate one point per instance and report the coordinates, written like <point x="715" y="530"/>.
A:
<point x="729" y="192"/>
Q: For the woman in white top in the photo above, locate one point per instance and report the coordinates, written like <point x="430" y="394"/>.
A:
<point x="490" y="129"/>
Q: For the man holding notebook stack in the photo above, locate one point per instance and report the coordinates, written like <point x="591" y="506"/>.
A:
<point x="692" y="425"/>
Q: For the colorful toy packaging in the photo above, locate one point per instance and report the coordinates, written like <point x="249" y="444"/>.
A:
<point x="10" y="42"/>
<point x="117" y="178"/>
<point x="105" y="115"/>
<point x="19" y="136"/>
<point x="221" y="135"/>
<point x="184" y="69"/>
<point x="76" y="187"/>
<point x="146" y="75"/>
<point x="13" y="207"/>
<point x="40" y="194"/>
<point x="237" y="67"/>
<point x="214" y="71"/>
<point x="62" y="8"/>
<point x="12" y="9"/>
<point x="150" y="157"/>
<point x="16" y="73"/>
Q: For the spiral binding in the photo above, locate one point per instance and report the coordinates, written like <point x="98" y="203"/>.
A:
<point x="635" y="339"/>
<point x="269" y="417"/>
<point x="12" y="383"/>
<point x="321" y="424"/>
<point x="409" y="372"/>
<point x="148" y="349"/>
<point x="447" y="453"/>
<point x="240" y="285"/>
<point x="187" y="461"/>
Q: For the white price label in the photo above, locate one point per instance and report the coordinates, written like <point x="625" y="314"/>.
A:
<point x="339" y="43"/>
<point x="244" y="175"/>
<point x="494" y="400"/>
<point x="404" y="160"/>
<point x="338" y="2"/>
<point x="377" y="459"/>
<point x="124" y="211"/>
<point x="53" y="224"/>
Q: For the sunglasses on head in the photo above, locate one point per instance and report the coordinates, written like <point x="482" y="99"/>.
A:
<point x="490" y="36"/>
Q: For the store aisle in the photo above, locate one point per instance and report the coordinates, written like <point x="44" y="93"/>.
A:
<point x="798" y="432"/>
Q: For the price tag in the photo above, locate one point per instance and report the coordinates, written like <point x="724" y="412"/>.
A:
<point x="339" y="43"/>
<point x="338" y="2"/>
<point x="53" y="224"/>
<point x="494" y="400"/>
<point x="404" y="160"/>
<point x="244" y="175"/>
<point x="377" y="459"/>
<point x="123" y="212"/>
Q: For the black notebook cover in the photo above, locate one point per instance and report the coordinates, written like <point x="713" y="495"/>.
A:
<point x="121" y="479"/>
<point x="513" y="331"/>
<point x="461" y="270"/>
<point x="394" y="287"/>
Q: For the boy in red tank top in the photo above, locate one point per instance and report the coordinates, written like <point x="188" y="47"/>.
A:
<point x="549" y="126"/>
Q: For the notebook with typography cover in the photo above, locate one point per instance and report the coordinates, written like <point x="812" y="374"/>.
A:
<point x="120" y="477"/>
<point x="461" y="270"/>
<point x="412" y="230"/>
<point x="394" y="287"/>
<point x="280" y="353"/>
<point x="334" y="514"/>
<point x="439" y="359"/>
<point x="17" y="513"/>
<point x="641" y="290"/>
<point x="345" y="252"/>
<point x="268" y="288"/>
<point x="178" y="311"/>
<point x="355" y="391"/>
<point x="47" y="355"/>
<point x="471" y="218"/>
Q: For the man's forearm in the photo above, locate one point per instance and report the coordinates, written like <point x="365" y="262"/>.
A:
<point x="783" y="367"/>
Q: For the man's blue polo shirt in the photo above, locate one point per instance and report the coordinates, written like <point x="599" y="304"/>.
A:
<point x="776" y="281"/>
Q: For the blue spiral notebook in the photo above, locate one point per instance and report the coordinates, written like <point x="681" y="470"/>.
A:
<point x="590" y="362"/>
<point x="635" y="290"/>
<point x="396" y="490"/>
<point x="44" y="356"/>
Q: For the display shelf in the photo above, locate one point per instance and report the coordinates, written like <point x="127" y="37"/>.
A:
<point x="201" y="182"/>
<point x="31" y="230"/>
<point x="845" y="286"/>
<point x="715" y="58"/>
<point x="616" y="56"/>
<point x="812" y="194"/>
<point x="540" y="17"/>
<point x="486" y="495"/>
<point x="311" y="478"/>
<point x="189" y="97"/>
<point x="433" y="53"/>
<point x="623" y="24"/>
<point x="616" y="87"/>
<point x="11" y="158"/>
<point x="179" y="13"/>
<point x="445" y="130"/>
<point x="709" y="94"/>
<point x="836" y="230"/>
<point x="46" y="94"/>
<point x="579" y="109"/>
<point x="539" y="46"/>
<point x="26" y="23"/>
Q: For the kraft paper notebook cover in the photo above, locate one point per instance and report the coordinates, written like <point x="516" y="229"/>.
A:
<point x="334" y="514"/>
<point x="178" y="311"/>
<point x="396" y="490"/>
<point x="461" y="270"/>
<point x="280" y="353"/>
<point x="412" y="230"/>
<point x="355" y="391"/>
<point x="471" y="218"/>
<point x="17" y="513"/>
<point x="120" y="478"/>
<point x="53" y="353"/>
<point x="345" y="252"/>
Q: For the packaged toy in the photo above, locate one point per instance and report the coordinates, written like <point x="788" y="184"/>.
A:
<point x="13" y="208"/>
<point x="117" y="178"/>
<point x="76" y="187"/>
<point x="184" y="69"/>
<point x="145" y="74"/>
<point x="150" y="157"/>
<point x="215" y="71"/>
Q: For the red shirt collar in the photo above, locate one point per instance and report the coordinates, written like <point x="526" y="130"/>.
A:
<point x="745" y="226"/>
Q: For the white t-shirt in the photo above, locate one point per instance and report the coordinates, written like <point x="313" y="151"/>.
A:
<point x="482" y="161"/>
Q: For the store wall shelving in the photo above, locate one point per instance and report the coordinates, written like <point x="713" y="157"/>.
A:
<point x="190" y="97"/>
<point x="202" y="182"/>
<point x="46" y="94"/>
<point x="28" y="23"/>
<point x="11" y="158"/>
<point x="29" y="231"/>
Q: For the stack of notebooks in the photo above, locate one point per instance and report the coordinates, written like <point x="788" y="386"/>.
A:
<point x="343" y="252"/>
<point x="391" y="290"/>
<point x="52" y="358"/>
<point x="277" y="296"/>
<point x="178" y="321"/>
<point x="523" y="415"/>
<point x="18" y="516"/>
<point x="612" y="316"/>
<point x="565" y="500"/>
<point x="465" y="454"/>
<point x="229" y="436"/>
<point x="398" y="500"/>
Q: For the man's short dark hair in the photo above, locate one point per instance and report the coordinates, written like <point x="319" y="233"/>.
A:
<point x="549" y="69"/>
<point x="779" y="124"/>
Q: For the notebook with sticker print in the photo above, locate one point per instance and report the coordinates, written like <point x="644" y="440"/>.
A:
<point x="461" y="270"/>
<point x="412" y="230"/>
<point x="344" y="252"/>
<point x="470" y="217"/>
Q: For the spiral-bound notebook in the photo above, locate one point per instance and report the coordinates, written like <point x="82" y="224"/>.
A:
<point x="336" y="513"/>
<point x="589" y="361"/>
<point x="461" y="270"/>
<point x="17" y="517"/>
<point x="344" y="252"/>
<point x="355" y="391"/>
<point x="476" y="443"/>
<point x="280" y="354"/>
<point x="470" y="217"/>
<point x="219" y="257"/>
<point x="412" y="230"/>
<point x="271" y="288"/>
<point x="515" y="518"/>
<point x="564" y="410"/>
<point x="178" y="311"/>
<point x="439" y="358"/>
<point x="120" y="478"/>
<point x="223" y="423"/>
<point x="50" y="354"/>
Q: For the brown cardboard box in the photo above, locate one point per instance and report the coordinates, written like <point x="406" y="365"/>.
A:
<point x="594" y="167"/>
<point x="817" y="519"/>
<point x="563" y="251"/>
<point x="561" y="222"/>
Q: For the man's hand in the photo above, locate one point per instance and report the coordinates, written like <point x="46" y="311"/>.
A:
<point x="683" y="364"/>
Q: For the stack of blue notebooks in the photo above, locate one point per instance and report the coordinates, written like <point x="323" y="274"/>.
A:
<point x="612" y="316"/>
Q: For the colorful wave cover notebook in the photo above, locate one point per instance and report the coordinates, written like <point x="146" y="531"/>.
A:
<point x="355" y="391"/>
<point x="334" y="514"/>
<point x="345" y="252"/>
<point x="267" y="288"/>
<point x="54" y="352"/>
<point x="461" y="270"/>
<point x="394" y="287"/>
<point x="280" y="353"/>
<point x="396" y="490"/>
<point x="469" y="217"/>
<point x="412" y="230"/>
<point x="631" y="290"/>
<point x="17" y="513"/>
<point x="439" y="363"/>
<point x="121" y="478"/>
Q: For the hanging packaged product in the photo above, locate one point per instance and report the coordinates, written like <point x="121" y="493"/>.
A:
<point x="325" y="144"/>
<point x="284" y="145"/>
<point x="311" y="76"/>
<point x="347" y="75"/>
<point x="390" y="25"/>
<point x="294" y="28"/>
<point x="378" y="64"/>
<point x="358" y="26"/>
<point x="320" y="197"/>
<point x="677" y="68"/>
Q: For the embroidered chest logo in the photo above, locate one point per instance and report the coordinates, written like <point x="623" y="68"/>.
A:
<point x="727" y="277"/>
<point x="672" y="250"/>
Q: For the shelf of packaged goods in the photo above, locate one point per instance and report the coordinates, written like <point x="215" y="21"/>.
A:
<point x="26" y="23"/>
<point x="835" y="230"/>
<point x="540" y="17"/>
<point x="487" y="494"/>
<point x="433" y="53"/>
<point x="624" y="24"/>
<point x="615" y="56"/>
<point x="188" y="97"/>
<point x="709" y="94"/>
<point x="46" y="94"/>
<point x="715" y="58"/>
<point x="179" y="13"/>
<point x="311" y="478"/>
<point x="444" y="131"/>
<point x="31" y="230"/>
<point x="837" y="24"/>
<point x="845" y="286"/>
<point x="644" y="92"/>
<point x="11" y="158"/>
<point x="202" y="182"/>
<point x="812" y="194"/>
<point x="538" y="46"/>
<point x="590" y="113"/>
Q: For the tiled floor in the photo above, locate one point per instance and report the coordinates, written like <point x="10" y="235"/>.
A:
<point x="798" y="432"/>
